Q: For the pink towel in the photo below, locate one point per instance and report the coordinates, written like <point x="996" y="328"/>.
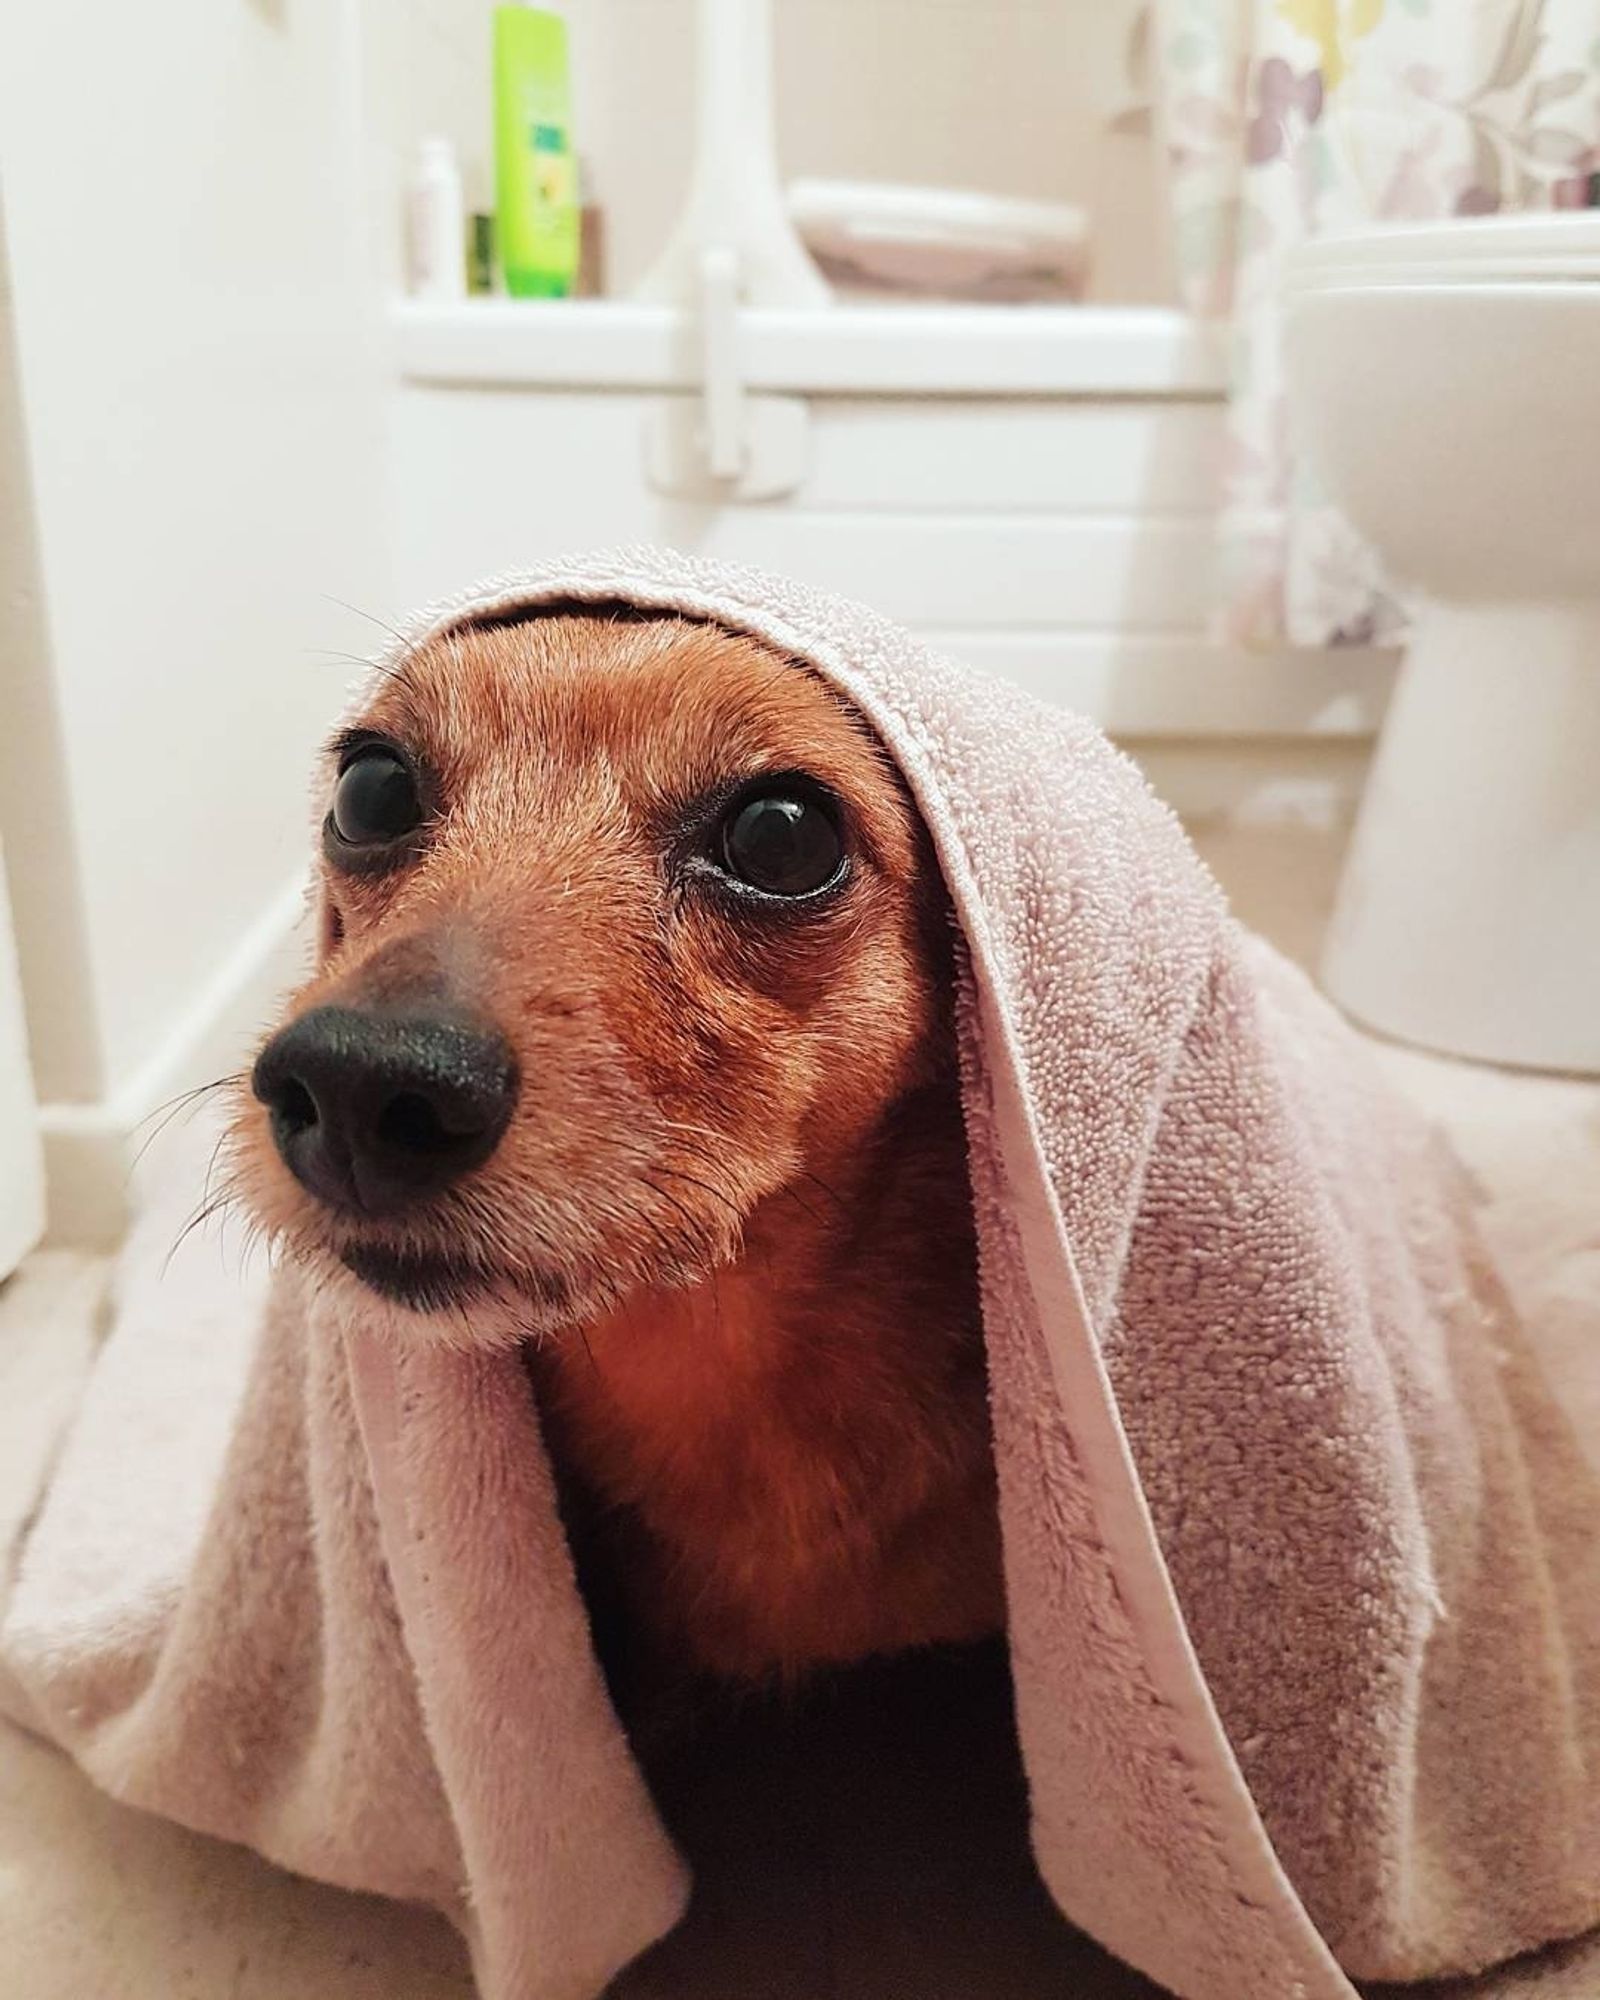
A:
<point x="1303" y="1557"/>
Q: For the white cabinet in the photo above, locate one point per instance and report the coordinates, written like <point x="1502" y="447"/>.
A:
<point x="1031" y="489"/>
<point x="21" y="1169"/>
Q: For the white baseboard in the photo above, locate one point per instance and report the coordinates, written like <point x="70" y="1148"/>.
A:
<point x="91" y="1149"/>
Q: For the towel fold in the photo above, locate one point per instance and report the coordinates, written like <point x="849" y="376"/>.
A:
<point x="1302" y="1553"/>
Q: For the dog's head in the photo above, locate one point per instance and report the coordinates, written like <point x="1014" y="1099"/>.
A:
<point x="628" y="928"/>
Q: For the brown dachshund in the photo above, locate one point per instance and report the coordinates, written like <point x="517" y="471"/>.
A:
<point x="632" y="1036"/>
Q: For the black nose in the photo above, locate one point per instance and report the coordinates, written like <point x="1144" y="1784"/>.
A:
<point x="375" y="1111"/>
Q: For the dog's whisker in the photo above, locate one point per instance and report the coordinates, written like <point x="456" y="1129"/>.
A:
<point x="715" y="1193"/>
<point x="362" y="662"/>
<point x="372" y="618"/>
<point x="202" y="1214"/>
<point x="837" y="1199"/>
<point x="399" y="668"/>
<point x="183" y="1097"/>
<point x="792" y="1193"/>
<point x="175" y="1106"/>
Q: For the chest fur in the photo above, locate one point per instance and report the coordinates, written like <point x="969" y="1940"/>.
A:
<point x="794" y="1475"/>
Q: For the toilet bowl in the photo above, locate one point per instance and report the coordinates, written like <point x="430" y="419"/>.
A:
<point x="1445" y="382"/>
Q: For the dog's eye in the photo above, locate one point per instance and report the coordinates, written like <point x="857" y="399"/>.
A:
<point x="783" y="843"/>
<point x="375" y="800"/>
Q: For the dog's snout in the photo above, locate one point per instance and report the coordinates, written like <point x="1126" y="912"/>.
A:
<point x="375" y="1111"/>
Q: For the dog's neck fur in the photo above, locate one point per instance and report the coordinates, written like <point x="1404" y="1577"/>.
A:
<point x="794" y="1454"/>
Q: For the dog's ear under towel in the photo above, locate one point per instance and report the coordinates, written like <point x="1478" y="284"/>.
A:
<point x="1302" y="1554"/>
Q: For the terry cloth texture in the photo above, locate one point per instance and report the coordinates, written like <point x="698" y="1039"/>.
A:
<point x="1302" y="1553"/>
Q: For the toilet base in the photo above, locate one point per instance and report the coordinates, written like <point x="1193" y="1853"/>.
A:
<point x="1468" y="916"/>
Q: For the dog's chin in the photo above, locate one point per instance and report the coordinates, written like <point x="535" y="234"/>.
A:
<point x="424" y="1283"/>
<point x="462" y="1302"/>
<point x="457" y="1295"/>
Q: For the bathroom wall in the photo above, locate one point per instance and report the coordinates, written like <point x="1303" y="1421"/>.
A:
<point x="34" y="808"/>
<point x="1028" y="97"/>
<point x="188" y="480"/>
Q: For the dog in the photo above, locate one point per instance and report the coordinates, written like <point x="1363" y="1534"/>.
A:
<point x="632" y="1037"/>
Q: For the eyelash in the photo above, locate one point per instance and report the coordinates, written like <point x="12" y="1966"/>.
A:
<point x="697" y="824"/>
<point x="348" y="745"/>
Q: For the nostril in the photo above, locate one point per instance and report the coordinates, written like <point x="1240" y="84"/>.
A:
<point x="294" y="1109"/>
<point x="411" y="1123"/>
<point x="373" y="1111"/>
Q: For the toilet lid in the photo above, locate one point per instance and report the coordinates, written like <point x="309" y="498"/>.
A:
<point x="1562" y="248"/>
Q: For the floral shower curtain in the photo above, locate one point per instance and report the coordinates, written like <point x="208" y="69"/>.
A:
<point x="1285" y="119"/>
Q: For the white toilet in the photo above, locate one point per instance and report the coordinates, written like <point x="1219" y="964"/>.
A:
<point x="1446" y="382"/>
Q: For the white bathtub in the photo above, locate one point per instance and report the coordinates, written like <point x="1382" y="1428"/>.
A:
<point x="1030" y="487"/>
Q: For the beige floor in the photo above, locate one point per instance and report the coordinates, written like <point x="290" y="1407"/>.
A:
<point x="884" y="1876"/>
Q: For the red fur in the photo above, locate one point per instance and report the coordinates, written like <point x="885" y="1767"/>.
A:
<point x="732" y="1205"/>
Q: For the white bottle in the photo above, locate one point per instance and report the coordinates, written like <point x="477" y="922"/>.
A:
<point x="436" y="224"/>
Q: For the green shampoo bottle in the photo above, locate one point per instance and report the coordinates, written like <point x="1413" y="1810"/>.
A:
<point x="536" y="168"/>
